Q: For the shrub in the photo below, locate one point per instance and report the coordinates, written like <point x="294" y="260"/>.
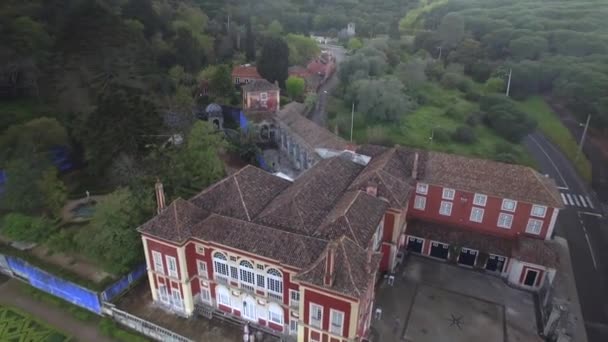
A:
<point x="474" y="119"/>
<point x="441" y="135"/>
<point x="465" y="135"/>
<point x="377" y="136"/>
<point x="62" y="242"/>
<point x="26" y="228"/>
<point x="452" y="80"/>
<point x="455" y="113"/>
<point x="472" y="95"/>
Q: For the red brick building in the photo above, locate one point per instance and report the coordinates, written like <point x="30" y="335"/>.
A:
<point x="261" y="95"/>
<point x="244" y="74"/>
<point x="301" y="258"/>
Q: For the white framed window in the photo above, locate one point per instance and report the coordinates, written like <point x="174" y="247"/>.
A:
<point x="274" y="281"/>
<point x="264" y="96"/>
<point x="508" y="205"/>
<point x="158" y="262"/>
<point x="336" y="322"/>
<point x="171" y="266"/>
<point x="294" y="298"/>
<point x="480" y="200"/>
<point x="448" y="194"/>
<point x="200" y="249"/>
<point x="259" y="267"/>
<point x="378" y="236"/>
<point x="201" y="267"/>
<point x="293" y="326"/>
<point x="476" y="215"/>
<point x="261" y="280"/>
<point x="538" y="211"/>
<point x="247" y="276"/>
<point x="176" y="299"/>
<point x="422" y="188"/>
<point x="220" y="264"/>
<point x="446" y="208"/>
<point x="316" y="316"/>
<point x="164" y="295"/>
<point x="505" y="220"/>
<point x="237" y="80"/>
<point x="205" y="295"/>
<point x="275" y="313"/>
<point x="419" y="202"/>
<point x="534" y="226"/>
<point x="223" y="296"/>
<point x="234" y="273"/>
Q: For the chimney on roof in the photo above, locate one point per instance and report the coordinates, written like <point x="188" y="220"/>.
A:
<point x="330" y="260"/>
<point x="160" y="196"/>
<point x="349" y="147"/>
<point x="415" y="167"/>
<point x="372" y="189"/>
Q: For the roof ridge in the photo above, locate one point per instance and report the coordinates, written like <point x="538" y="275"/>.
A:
<point x="213" y="186"/>
<point x="351" y="229"/>
<point x="179" y="233"/>
<point x="388" y="187"/>
<point x="238" y="188"/>
<point x="541" y="181"/>
<point x="348" y="266"/>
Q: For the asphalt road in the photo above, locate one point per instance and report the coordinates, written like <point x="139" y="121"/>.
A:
<point x="319" y="115"/>
<point x="581" y="224"/>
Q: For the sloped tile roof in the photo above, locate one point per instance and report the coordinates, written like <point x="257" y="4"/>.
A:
<point x="175" y="222"/>
<point x="242" y="195"/>
<point x="305" y="131"/>
<point x="259" y="85"/>
<point x="354" y="268"/>
<point x="490" y="177"/>
<point x="245" y="71"/>
<point x="291" y="249"/>
<point x="304" y="204"/>
<point x="535" y="251"/>
<point x="355" y="215"/>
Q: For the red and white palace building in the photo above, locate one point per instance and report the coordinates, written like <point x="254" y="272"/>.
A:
<point x="302" y="258"/>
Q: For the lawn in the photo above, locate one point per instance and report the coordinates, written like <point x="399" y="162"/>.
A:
<point x="18" y="326"/>
<point x="550" y="125"/>
<point x="415" y="129"/>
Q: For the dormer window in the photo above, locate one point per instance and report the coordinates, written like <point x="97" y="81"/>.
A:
<point x="422" y="188"/>
<point x="448" y="194"/>
<point x="508" y="205"/>
<point x="538" y="211"/>
<point x="480" y="200"/>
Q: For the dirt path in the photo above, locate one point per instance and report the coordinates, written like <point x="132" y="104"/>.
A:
<point x="11" y="295"/>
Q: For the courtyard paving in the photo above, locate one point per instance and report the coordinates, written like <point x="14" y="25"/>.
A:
<point x="431" y="301"/>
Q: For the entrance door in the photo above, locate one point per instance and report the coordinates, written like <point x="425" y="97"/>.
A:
<point x="439" y="250"/>
<point x="414" y="244"/>
<point x="467" y="257"/>
<point x="495" y="263"/>
<point x="530" y="279"/>
<point x="249" y="309"/>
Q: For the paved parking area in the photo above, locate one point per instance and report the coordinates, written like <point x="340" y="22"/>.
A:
<point x="431" y="301"/>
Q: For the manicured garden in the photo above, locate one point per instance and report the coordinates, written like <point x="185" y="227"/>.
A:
<point x="18" y="326"/>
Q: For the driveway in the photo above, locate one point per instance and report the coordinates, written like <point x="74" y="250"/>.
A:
<point x="432" y="301"/>
<point x="319" y="115"/>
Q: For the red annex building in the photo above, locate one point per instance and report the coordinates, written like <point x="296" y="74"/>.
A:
<point x="302" y="258"/>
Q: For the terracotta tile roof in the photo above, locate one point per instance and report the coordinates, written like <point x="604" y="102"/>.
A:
<point x="244" y="71"/>
<point x="303" y="205"/>
<point x="305" y="131"/>
<point x="461" y="237"/>
<point x="298" y="71"/>
<point x="355" y="215"/>
<point x="354" y="268"/>
<point x="535" y="251"/>
<point x="371" y="150"/>
<point x="516" y="182"/>
<point x="242" y="195"/>
<point x="391" y="172"/>
<point x="291" y="249"/>
<point x="260" y="85"/>
<point x="175" y="222"/>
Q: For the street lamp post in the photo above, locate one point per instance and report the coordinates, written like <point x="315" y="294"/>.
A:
<point x="582" y="142"/>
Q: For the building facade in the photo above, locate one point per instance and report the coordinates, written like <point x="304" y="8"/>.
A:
<point x="301" y="259"/>
<point x="244" y="74"/>
<point x="261" y="96"/>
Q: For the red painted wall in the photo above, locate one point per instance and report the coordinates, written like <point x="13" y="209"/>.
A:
<point x="389" y="225"/>
<point x="311" y="295"/>
<point x="386" y="253"/>
<point x="164" y="250"/>
<point x="461" y="211"/>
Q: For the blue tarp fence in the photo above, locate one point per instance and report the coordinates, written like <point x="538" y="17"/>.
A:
<point x="123" y="283"/>
<point x="69" y="291"/>
<point x="56" y="286"/>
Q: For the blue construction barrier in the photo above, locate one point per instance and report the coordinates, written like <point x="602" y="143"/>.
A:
<point x="123" y="284"/>
<point x="262" y="162"/>
<point x="56" y="286"/>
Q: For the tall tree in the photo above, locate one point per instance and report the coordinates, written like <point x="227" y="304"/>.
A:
<point x="451" y="30"/>
<point x="273" y="63"/>
<point x="250" y="42"/>
<point x="295" y="87"/>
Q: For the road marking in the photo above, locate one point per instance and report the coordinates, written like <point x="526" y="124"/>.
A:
<point x="564" y="198"/>
<point x="590" y="203"/>
<point x="550" y="160"/>
<point x="590" y="214"/>
<point x="570" y="199"/>
<point x="590" y="249"/>
<point x="583" y="201"/>
<point x="561" y="187"/>
<point x="576" y="200"/>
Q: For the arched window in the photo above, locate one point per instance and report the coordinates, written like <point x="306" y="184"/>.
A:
<point x="223" y="296"/>
<point x="247" y="274"/>
<point x="220" y="264"/>
<point x="275" y="314"/>
<point x="275" y="281"/>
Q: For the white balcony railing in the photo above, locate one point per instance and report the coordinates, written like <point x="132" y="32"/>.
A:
<point x="221" y="279"/>
<point x="276" y="296"/>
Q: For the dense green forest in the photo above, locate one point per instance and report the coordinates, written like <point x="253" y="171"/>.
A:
<point x="556" y="48"/>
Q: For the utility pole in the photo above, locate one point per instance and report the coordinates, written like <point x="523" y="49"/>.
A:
<point x="439" y="52"/>
<point x="352" y="121"/>
<point x="509" y="82"/>
<point x="582" y="142"/>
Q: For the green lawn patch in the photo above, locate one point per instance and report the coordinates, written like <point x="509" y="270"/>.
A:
<point x="16" y="325"/>
<point x="550" y="125"/>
